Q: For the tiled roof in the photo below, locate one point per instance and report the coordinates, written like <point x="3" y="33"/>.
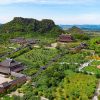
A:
<point x="9" y="63"/>
<point x="4" y="85"/>
<point x="65" y="38"/>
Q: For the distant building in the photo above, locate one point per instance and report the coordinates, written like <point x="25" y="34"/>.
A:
<point x="65" y="38"/>
<point x="20" y="80"/>
<point x="83" y="45"/>
<point x="18" y="40"/>
<point x="9" y="85"/>
<point x="31" y="41"/>
<point x="79" y="47"/>
<point x="22" y="41"/>
<point x="98" y="42"/>
<point x="10" y="65"/>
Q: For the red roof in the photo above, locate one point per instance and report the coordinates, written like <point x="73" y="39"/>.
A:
<point x="65" y="38"/>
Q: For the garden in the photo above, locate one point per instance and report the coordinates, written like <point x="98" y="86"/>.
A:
<point x="93" y="67"/>
<point x="36" y="58"/>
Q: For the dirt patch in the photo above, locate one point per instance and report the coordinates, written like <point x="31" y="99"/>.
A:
<point x="54" y="45"/>
<point x="3" y="79"/>
<point x="16" y="93"/>
<point x="98" y="67"/>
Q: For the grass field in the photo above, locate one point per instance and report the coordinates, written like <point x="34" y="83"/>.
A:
<point x="76" y="86"/>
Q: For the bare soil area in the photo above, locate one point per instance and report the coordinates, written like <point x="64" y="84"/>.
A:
<point x="3" y="79"/>
<point x="98" y="66"/>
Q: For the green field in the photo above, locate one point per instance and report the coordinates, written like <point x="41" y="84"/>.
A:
<point x="36" y="58"/>
<point x="76" y="87"/>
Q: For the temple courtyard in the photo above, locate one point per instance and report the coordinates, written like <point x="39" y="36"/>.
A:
<point x="3" y="79"/>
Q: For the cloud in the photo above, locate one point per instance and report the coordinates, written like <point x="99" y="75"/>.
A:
<point x="70" y="2"/>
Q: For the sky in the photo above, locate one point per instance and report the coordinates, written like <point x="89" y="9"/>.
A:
<point x="61" y="11"/>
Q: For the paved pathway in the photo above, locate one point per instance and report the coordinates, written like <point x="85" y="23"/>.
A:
<point x="85" y="65"/>
<point x="42" y="68"/>
<point x="97" y="93"/>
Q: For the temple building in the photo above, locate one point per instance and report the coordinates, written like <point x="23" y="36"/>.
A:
<point x="65" y="38"/>
<point x="23" y="41"/>
<point x="10" y="65"/>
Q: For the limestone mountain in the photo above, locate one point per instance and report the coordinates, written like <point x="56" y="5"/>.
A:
<point x="19" y="24"/>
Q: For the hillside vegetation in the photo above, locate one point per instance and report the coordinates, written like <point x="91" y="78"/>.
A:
<point x="75" y="30"/>
<point x="19" y="24"/>
<point x="29" y="28"/>
<point x="55" y="70"/>
<point x="77" y="33"/>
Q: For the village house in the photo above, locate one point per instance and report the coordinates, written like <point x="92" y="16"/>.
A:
<point x="20" y="80"/>
<point x="10" y="65"/>
<point x="79" y="47"/>
<point x="5" y="85"/>
<point x="65" y="38"/>
<point x="2" y="90"/>
<point x="18" y="40"/>
<point x="31" y="41"/>
<point x="9" y="85"/>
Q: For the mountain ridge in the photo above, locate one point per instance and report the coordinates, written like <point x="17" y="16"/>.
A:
<point x="19" y="24"/>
